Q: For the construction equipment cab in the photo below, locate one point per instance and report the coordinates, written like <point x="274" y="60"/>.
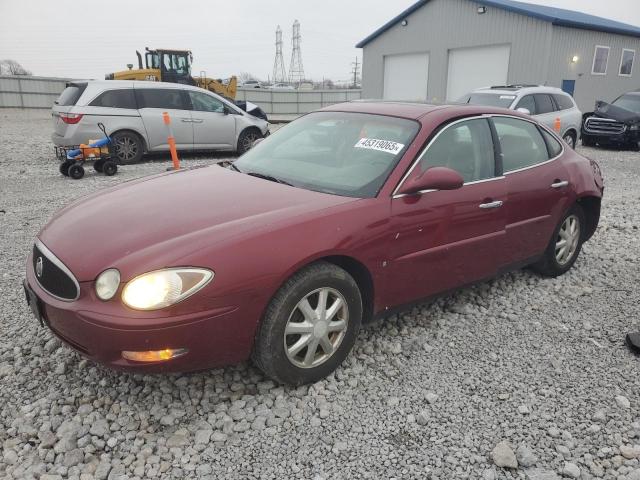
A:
<point x="174" y="66"/>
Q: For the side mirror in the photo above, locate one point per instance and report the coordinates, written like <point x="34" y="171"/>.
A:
<point x="225" y="110"/>
<point x="434" y="178"/>
<point x="523" y="110"/>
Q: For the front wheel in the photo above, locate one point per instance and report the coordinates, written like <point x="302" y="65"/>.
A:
<point x="565" y="244"/>
<point x="570" y="139"/>
<point x="246" y="140"/>
<point x="310" y="325"/>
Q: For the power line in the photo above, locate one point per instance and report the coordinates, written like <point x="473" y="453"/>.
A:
<point x="355" y="72"/>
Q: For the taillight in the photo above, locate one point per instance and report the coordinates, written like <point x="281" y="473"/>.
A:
<point x="71" y="118"/>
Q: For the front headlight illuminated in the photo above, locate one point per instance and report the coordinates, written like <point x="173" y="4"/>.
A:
<point x="162" y="288"/>
<point x="107" y="284"/>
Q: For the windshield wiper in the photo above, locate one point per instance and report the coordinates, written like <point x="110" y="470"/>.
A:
<point x="271" y="178"/>
<point x="227" y="163"/>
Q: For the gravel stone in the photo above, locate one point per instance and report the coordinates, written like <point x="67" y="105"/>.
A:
<point x="525" y="456"/>
<point x="623" y="402"/>
<point x="503" y="456"/>
<point x="461" y="365"/>
<point x="571" y="470"/>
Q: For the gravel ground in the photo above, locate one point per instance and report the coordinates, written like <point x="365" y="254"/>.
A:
<point x="521" y="377"/>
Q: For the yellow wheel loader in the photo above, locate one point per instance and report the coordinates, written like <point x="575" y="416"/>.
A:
<point x="173" y="66"/>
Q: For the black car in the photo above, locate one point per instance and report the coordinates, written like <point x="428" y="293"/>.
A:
<point x="614" y="124"/>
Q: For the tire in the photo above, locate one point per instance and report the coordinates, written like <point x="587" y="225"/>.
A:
<point x="76" y="171"/>
<point x="587" y="142"/>
<point x="554" y="263"/>
<point x="246" y="139"/>
<point x="570" y="139"/>
<point x="275" y="352"/>
<point x="97" y="165"/>
<point x="109" y="168"/>
<point x="64" y="168"/>
<point x="127" y="147"/>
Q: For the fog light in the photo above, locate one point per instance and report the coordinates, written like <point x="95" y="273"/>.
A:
<point x="154" y="355"/>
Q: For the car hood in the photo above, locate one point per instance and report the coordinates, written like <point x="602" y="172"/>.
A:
<point x="606" y="110"/>
<point x="154" y="222"/>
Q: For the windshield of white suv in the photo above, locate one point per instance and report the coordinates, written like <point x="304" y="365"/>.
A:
<point x="628" y="102"/>
<point x="489" y="99"/>
<point x="349" y="154"/>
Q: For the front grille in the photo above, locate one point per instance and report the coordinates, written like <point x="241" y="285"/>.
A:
<point x="604" y="125"/>
<point x="53" y="275"/>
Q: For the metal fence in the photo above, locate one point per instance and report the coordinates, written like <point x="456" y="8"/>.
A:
<point x="288" y="104"/>
<point x="41" y="92"/>
<point x="30" y="92"/>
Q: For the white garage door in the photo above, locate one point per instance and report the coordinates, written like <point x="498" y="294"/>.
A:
<point x="406" y="76"/>
<point x="471" y="68"/>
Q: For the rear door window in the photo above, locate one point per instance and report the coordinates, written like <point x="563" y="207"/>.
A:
<point x="529" y="103"/>
<point x="564" y="101"/>
<point x="167" y="98"/>
<point x="544" y="103"/>
<point x="521" y="143"/>
<point x="553" y="144"/>
<point x="123" y="98"/>
<point x="466" y="147"/>
<point x="71" y="94"/>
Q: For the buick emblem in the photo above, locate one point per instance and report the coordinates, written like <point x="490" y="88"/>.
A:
<point x="39" y="267"/>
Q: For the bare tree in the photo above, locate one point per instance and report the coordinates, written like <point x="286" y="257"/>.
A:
<point x="11" y="67"/>
<point x="245" y="77"/>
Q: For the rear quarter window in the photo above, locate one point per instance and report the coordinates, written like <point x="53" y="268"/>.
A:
<point x="123" y="98"/>
<point x="168" y="98"/>
<point x="544" y="104"/>
<point x="70" y="95"/>
<point x="521" y="143"/>
<point x="553" y="144"/>
<point x="563" y="101"/>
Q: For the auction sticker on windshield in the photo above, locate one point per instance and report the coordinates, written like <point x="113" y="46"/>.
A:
<point x="380" y="145"/>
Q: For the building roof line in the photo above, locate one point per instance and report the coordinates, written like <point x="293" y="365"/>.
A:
<point x="556" y="16"/>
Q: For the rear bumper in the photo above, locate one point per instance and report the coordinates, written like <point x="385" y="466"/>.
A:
<point x="214" y="338"/>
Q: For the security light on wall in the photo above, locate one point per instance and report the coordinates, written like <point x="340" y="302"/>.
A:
<point x="482" y="9"/>
<point x="404" y="22"/>
<point x="575" y="59"/>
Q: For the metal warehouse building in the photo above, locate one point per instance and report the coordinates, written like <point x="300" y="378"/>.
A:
<point x="439" y="50"/>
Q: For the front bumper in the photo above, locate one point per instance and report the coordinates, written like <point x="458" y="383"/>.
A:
<point x="629" y="138"/>
<point x="214" y="338"/>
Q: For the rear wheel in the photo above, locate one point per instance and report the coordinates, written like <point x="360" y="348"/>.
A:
<point x="97" y="165"/>
<point x="310" y="325"/>
<point x="64" y="167"/>
<point x="109" y="168"/>
<point x="127" y="146"/>
<point x="565" y="244"/>
<point x="246" y="139"/>
<point x="76" y="171"/>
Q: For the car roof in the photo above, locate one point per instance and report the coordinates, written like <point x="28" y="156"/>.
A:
<point x="415" y="110"/>
<point x="111" y="84"/>
<point x="519" y="89"/>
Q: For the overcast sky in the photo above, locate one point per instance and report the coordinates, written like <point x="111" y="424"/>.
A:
<point x="86" y="39"/>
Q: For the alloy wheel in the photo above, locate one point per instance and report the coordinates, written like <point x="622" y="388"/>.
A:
<point x="316" y="327"/>
<point x="567" y="240"/>
<point x="126" y="148"/>
<point x="249" y="139"/>
<point x="568" y="139"/>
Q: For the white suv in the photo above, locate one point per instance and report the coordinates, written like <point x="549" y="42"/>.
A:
<point x="549" y="105"/>
<point x="132" y="112"/>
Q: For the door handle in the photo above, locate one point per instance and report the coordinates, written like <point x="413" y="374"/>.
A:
<point x="186" y="120"/>
<point x="496" y="204"/>
<point x="197" y="120"/>
<point x="559" y="184"/>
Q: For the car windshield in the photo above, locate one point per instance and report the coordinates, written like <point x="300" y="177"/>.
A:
<point x="348" y="154"/>
<point x="628" y="102"/>
<point x="490" y="99"/>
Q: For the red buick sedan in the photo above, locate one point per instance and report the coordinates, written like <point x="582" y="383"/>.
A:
<point x="343" y="215"/>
